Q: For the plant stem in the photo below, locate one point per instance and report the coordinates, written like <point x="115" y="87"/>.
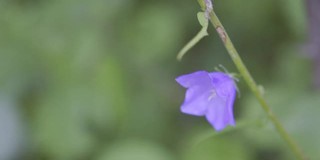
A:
<point x="252" y="85"/>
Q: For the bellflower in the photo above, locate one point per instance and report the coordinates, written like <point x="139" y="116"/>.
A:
<point x="211" y="95"/>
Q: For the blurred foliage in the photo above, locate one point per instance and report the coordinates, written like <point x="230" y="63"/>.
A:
<point x="95" y="80"/>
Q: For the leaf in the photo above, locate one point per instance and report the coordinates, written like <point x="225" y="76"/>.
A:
<point x="222" y="147"/>
<point x="254" y="123"/>
<point x="203" y="21"/>
<point x="202" y="33"/>
<point x="135" y="150"/>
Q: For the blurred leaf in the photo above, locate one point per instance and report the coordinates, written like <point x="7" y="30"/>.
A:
<point x="295" y="12"/>
<point x="145" y="35"/>
<point x="294" y="104"/>
<point x="222" y="147"/>
<point x="60" y="129"/>
<point x="135" y="150"/>
<point x="70" y="115"/>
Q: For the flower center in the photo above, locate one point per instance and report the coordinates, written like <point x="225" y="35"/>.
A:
<point x="213" y="94"/>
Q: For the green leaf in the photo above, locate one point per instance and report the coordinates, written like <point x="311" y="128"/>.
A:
<point x="202" y="33"/>
<point x="254" y="123"/>
<point x="203" y="20"/>
<point x="135" y="150"/>
<point x="222" y="147"/>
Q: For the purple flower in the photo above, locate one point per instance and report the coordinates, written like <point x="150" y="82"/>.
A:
<point x="211" y="95"/>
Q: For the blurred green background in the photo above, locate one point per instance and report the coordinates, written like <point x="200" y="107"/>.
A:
<point x="94" y="80"/>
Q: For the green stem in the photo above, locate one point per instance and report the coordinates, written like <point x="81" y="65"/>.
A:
<point x="253" y="86"/>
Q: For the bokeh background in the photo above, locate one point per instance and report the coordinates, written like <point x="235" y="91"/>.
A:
<point x="94" y="80"/>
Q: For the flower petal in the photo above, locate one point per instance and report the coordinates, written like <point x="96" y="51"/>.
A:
<point x="226" y="90"/>
<point x="196" y="102"/>
<point x="223" y="83"/>
<point x="230" y="101"/>
<point x="210" y="94"/>
<point x="220" y="112"/>
<point x="194" y="79"/>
